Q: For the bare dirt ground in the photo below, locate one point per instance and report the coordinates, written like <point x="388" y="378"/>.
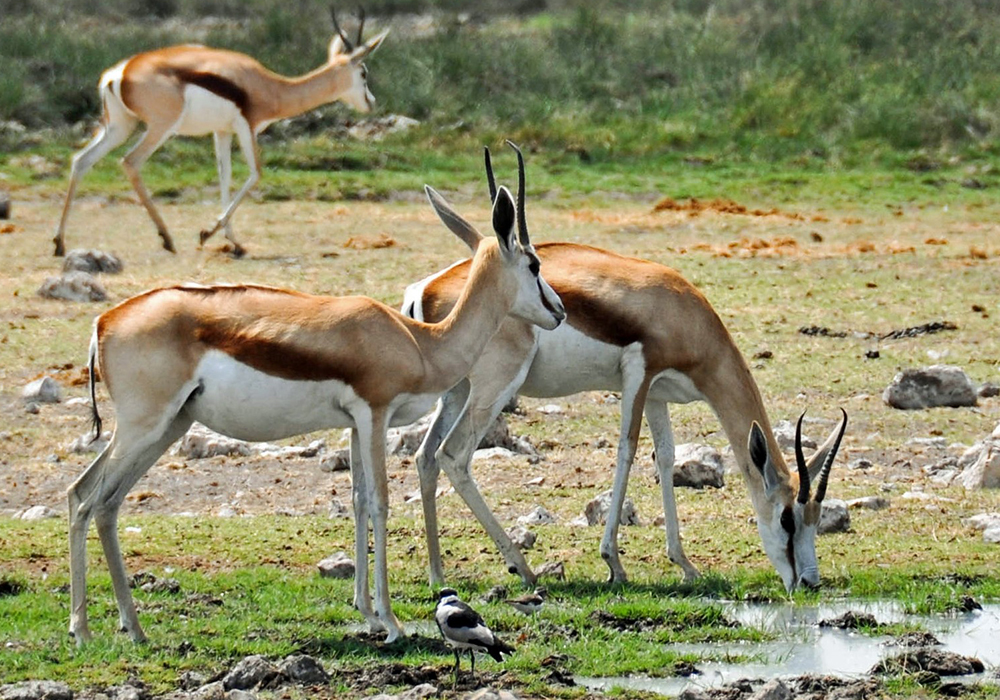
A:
<point x="768" y="272"/>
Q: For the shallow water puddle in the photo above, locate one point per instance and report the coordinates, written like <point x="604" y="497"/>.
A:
<point x="804" y="648"/>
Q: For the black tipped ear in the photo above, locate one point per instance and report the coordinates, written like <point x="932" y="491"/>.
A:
<point x="758" y="447"/>
<point x="503" y="219"/>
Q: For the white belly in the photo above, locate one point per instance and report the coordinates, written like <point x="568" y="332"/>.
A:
<point x="205" y="112"/>
<point x="567" y="362"/>
<point x="244" y="403"/>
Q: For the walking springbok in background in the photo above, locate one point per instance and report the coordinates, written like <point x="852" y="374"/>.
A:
<point x="195" y="90"/>
<point x="636" y="327"/>
<point x="259" y="363"/>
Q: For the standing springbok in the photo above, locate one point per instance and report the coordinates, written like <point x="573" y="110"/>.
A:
<point x="259" y="363"/>
<point x="195" y="90"/>
<point x="636" y="327"/>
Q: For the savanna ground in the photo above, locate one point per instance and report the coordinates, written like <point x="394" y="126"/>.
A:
<point x="870" y="206"/>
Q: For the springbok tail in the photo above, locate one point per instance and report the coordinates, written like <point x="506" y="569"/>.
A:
<point x="92" y="378"/>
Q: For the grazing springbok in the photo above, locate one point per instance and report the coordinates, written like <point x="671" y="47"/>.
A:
<point x="195" y="90"/>
<point x="639" y="328"/>
<point x="260" y="363"/>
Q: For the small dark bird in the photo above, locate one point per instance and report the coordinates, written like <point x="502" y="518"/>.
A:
<point x="529" y="603"/>
<point x="463" y="628"/>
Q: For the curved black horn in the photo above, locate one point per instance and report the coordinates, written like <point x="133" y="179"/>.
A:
<point x="824" y="472"/>
<point x="348" y="46"/>
<point x="800" y="463"/>
<point x="361" y="26"/>
<point x="489" y="175"/>
<point x="522" y="223"/>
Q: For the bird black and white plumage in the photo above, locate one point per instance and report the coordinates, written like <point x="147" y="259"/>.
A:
<point x="463" y="628"/>
<point x="529" y="603"/>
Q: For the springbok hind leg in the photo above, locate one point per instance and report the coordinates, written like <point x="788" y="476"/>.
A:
<point x="99" y="493"/>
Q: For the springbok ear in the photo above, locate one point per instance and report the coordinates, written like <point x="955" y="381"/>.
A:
<point x="453" y="220"/>
<point x="503" y="220"/>
<point x="337" y="47"/>
<point x="761" y="459"/>
<point x="369" y="47"/>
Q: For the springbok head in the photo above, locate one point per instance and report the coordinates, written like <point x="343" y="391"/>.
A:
<point x="789" y="534"/>
<point x="357" y="96"/>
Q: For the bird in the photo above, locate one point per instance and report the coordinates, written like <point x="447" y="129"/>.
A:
<point x="529" y="603"/>
<point x="463" y="628"/>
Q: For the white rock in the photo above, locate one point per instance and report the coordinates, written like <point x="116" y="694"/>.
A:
<point x="338" y="509"/>
<point x="337" y="565"/>
<point x="774" y="689"/>
<point x="992" y="534"/>
<point x="404" y="440"/>
<point x="92" y="261"/>
<point x="984" y="473"/>
<point x="937" y="385"/>
<point x="200" y="442"/>
<point x="551" y="409"/>
<point x="982" y="521"/>
<point x="492" y="453"/>
<point x="86" y="444"/>
<point x="538" y="516"/>
<point x="522" y="537"/>
<point x="73" y="286"/>
<point x="784" y="433"/>
<point x="42" y="390"/>
<point x="834" y="517"/>
<point x="596" y="512"/>
<point x="697" y="466"/>
<point x="38" y="513"/>
<point x="336" y="461"/>
<point x="869" y="502"/>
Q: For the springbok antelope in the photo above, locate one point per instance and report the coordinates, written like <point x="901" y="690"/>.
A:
<point x="636" y="327"/>
<point x="195" y="90"/>
<point x="260" y="363"/>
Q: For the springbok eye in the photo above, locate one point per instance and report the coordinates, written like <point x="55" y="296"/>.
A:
<point x="788" y="521"/>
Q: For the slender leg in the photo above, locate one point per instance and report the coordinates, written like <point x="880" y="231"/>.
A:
<point x="359" y="492"/>
<point x="251" y="151"/>
<point x="472" y="662"/>
<point x="448" y="410"/>
<point x="658" y="417"/>
<point x="457" y="664"/>
<point x="155" y="136"/>
<point x="634" y="390"/>
<point x="98" y="493"/>
<point x="113" y="133"/>
<point x="372" y="439"/>
<point x="224" y="164"/>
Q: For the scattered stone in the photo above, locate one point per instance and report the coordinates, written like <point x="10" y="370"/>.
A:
<point x="189" y="680"/>
<point x="161" y="585"/>
<point x="38" y="513"/>
<point x="36" y="690"/>
<point x="490" y="694"/>
<point x="938" y="443"/>
<point x="405" y="440"/>
<point x="42" y="390"/>
<point x="337" y="565"/>
<point x="522" y="537"/>
<point x="377" y="128"/>
<point x="989" y="390"/>
<point x="596" y="512"/>
<point x="551" y="569"/>
<point x="210" y="691"/>
<point x="869" y="502"/>
<point x="991" y="534"/>
<point x="336" y="461"/>
<point x="73" y="286"/>
<point x="984" y="472"/>
<point x="916" y="639"/>
<point x="252" y="672"/>
<point x="551" y="409"/>
<point x="419" y="692"/>
<point x="86" y="444"/>
<point x="491" y="453"/>
<point x="92" y="261"/>
<point x="784" y="433"/>
<point x="200" y="442"/>
<point x="338" y="509"/>
<point x="860" y="463"/>
<point x="697" y="466"/>
<point x="937" y="385"/>
<point x="834" y="517"/>
<point x="300" y="668"/>
<point x="693" y="694"/>
<point x="982" y="521"/>
<point x="538" y="516"/>
<point x="774" y="689"/>
<point x="851" y="620"/>
<point x="858" y="690"/>
<point x="943" y="663"/>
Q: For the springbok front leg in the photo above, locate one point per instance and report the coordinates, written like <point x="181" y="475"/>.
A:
<point x="362" y="522"/>
<point x="224" y="165"/>
<point x="156" y="134"/>
<point x="371" y="437"/>
<point x="658" y="417"/>
<point x="248" y="145"/>
<point x="448" y="411"/>
<point x="635" y="387"/>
